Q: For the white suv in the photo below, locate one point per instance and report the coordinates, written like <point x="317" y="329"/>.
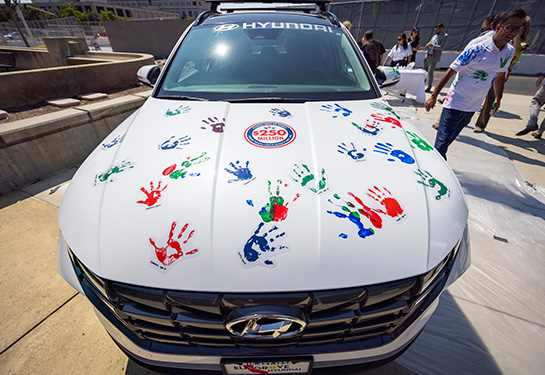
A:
<point x="265" y="210"/>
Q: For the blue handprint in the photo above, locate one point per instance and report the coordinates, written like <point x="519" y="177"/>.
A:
<point x="118" y="139"/>
<point x="281" y="112"/>
<point x="353" y="153"/>
<point x="388" y="149"/>
<point x="241" y="173"/>
<point x="174" y="142"/>
<point x="336" y="109"/>
<point x="258" y="249"/>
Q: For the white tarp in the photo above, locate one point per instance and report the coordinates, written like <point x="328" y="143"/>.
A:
<point x="492" y="320"/>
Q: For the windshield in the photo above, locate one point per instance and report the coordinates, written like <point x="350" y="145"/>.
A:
<point x="266" y="60"/>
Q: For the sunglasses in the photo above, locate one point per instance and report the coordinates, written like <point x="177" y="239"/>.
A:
<point x="399" y="39"/>
<point x="512" y="28"/>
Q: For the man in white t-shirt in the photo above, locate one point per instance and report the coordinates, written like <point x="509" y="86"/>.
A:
<point x="475" y="69"/>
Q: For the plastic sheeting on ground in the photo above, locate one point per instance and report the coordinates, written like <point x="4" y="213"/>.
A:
<point x="492" y="320"/>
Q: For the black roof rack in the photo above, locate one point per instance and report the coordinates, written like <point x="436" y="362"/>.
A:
<point x="320" y="3"/>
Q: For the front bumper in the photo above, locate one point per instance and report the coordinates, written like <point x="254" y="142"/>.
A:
<point x="357" y="333"/>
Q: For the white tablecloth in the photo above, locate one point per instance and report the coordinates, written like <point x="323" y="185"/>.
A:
<point x="412" y="82"/>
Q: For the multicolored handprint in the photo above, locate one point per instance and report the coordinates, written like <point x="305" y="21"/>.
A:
<point x="262" y="246"/>
<point x="389" y="206"/>
<point x="307" y="179"/>
<point x="369" y="128"/>
<point x="336" y="110"/>
<point x="428" y="180"/>
<point x="164" y="257"/>
<point x="181" y="172"/>
<point x="419" y="142"/>
<point x="153" y="195"/>
<point x="388" y="149"/>
<point x="352" y="151"/>
<point x="364" y="210"/>
<point x="385" y="107"/>
<point x="276" y="209"/>
<point x="241" y="173"/>
<point x="352" y="214"/>
<point x="387" y="119"/>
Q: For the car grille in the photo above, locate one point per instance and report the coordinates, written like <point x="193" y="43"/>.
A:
<point x="170" y="320"/>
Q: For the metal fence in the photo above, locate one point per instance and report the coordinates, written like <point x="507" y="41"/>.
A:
<point x="462" y="19"/>
<point x="58" y="27"/>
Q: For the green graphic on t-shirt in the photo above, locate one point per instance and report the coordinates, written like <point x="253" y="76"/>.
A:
<point x="503" y="62"/>
<point x="480" y="74"/>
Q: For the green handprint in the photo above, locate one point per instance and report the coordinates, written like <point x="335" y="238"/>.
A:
<point x="385" y="107"/>
<point x="177" y="111"/>
<point x="480" y="75"/>
<point x="503" y="62"/>
<point x="305" y="176"/>
<point x="428" y="180"/>
<point x="393" y="69"/>
<point x="125" y="164"/>
<point x="422" y="144"/>
<point x="174" y="173"/>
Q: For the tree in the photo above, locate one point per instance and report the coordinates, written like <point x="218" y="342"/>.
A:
<point x="11" y="5"/>
<point x="68" y="10"/>
<point x="109" y="16"/>
<point x="31" y="13"/>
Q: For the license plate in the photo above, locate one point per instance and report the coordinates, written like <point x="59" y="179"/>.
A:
<point x="276" y="366"/>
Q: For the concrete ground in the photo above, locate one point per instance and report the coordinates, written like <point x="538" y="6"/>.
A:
<point x="48" y="328"/>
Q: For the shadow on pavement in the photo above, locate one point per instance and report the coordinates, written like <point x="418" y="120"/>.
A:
<point x="496" y="191"/>
<point x="507" y="115"/>
<point x="506" y="140"/>
<point x="529" y="143"/>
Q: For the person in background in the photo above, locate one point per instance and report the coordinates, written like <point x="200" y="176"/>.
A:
<point x="415" y="42"/>
<point x="487" y="26"/>
<point x="475" y="68"/>
<point x="400" y="53"/>
<point x="435" y="48"/>
<point x="373" y="50"/>
<point x="535" y="104"/>
<point x="347" y="24"/>
<point x="488" y="108"/>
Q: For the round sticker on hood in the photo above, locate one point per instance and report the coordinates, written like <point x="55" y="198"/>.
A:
<point x="270" y="134"/>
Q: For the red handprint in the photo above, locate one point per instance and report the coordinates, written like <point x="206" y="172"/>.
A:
<point x="385" y="198"/>
<point x="389" y="119"/>
<point x="368" y="212"/>
<point x="173" y="250"/>
<point x="153" y="195"/>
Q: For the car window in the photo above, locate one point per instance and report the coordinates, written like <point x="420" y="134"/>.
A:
<point x="292" y="60"/>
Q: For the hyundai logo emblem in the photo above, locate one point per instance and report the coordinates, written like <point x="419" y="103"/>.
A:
<point x="227" y="27"/>
<point x="258" y="326"/>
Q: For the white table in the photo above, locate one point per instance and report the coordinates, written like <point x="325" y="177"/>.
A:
<point x="412" y="82"/>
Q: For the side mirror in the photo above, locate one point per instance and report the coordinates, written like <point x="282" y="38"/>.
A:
<point x="148" y="74"/>
<point x="387" y="76"/>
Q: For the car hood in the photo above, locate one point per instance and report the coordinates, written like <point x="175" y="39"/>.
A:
<point x="217" y="196"/>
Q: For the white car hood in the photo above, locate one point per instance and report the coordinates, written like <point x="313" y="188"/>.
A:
<point x="202" y="230"/>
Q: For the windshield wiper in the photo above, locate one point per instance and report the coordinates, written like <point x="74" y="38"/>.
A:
<point x="182" y="97"/>
<point x="274" y="99"/>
